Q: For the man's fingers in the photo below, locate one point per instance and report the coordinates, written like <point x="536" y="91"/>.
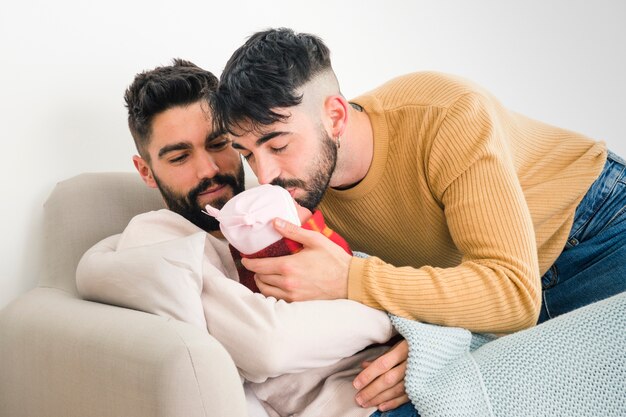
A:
<point x="270" y="280"/>
<point x="269" y="290"/>
<point x="385" y="387"/>
<point x="317" y="272"/>
<point x="382" y="364"/>
<point x="395" y="403"/>
<point x="369" y="374"/>
<point x="381" y="383"/>
<point x="291" y="231"/>
<point x="265" y="266"/>
<point x="391" y="398"/>
<point x="400" y="351"/>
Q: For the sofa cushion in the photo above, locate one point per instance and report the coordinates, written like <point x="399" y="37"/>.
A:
<point x="83" y="210"/>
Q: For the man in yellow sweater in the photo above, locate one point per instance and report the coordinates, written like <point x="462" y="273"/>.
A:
<point x="479" y="217"/>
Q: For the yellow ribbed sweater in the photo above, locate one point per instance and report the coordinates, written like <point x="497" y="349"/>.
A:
<point x="465" y="204"/>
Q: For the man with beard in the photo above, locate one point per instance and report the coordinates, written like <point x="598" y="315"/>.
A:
<point x="296" y="358"/>
<point x="171" y="135"/>
<point x="479" y="217"/>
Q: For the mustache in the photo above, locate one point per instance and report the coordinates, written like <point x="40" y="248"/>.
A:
<point x="206" y="183"/>
<point x="293" y="182"/>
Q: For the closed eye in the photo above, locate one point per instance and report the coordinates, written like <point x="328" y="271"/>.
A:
<point x="279" y="150"/>
<point x="218" y="145"/>
<point x="178" y="159"/>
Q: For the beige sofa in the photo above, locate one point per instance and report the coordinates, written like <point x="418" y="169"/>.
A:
<point x="61" y="356"/>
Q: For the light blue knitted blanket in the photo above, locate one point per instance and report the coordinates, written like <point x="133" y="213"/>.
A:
<point x="573" y="365"/>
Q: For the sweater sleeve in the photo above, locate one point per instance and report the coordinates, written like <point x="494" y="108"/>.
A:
<point x="496" y="287"/>
<point x="164" y="278"/>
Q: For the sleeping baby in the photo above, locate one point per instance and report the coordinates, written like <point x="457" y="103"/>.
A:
<point x="246" y="222"/>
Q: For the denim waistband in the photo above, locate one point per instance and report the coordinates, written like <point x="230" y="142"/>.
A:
<point x="600" y="192"/>
<point x="612" y="156"/>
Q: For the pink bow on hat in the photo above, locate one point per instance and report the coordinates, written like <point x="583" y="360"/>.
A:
<point x="246" y="220"/>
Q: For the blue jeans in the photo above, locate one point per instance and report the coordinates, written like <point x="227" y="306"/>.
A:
<point x="592" y="266"/>
<point x="405" y="410"/>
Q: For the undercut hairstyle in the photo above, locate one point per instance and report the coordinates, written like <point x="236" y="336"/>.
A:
<point x="155" y="91"/>
<point x="266" y="73"/>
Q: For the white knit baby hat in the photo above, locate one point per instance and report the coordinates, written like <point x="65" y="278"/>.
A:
<point x="246" y="220"/>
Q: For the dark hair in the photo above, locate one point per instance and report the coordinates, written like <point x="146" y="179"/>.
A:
<point x="265" y="73"/>
<point x="157" y="90"/>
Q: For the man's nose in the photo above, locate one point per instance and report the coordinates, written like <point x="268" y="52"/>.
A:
<point x="266" y="170"/>
<point x="206" y="167"/>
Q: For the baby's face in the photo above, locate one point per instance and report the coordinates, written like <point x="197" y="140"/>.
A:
<point x="304" y="214"/>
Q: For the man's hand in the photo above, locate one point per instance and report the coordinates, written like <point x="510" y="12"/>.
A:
<point x="318" y="272"/>
<point x="381" y="383"/>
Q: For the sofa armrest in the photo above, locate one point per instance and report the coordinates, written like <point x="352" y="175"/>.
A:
<point x="63" y="356"/>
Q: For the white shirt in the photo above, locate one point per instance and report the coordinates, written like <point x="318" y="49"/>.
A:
<point x="165" y="265"/>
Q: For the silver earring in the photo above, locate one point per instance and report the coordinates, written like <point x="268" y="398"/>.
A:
<point x="338" y="141"/>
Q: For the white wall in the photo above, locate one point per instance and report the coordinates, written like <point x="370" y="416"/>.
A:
<point x="65" y="64"/>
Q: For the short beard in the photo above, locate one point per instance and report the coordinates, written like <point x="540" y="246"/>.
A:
<point x="316" y="186"/>
<point x="188" y="206"/>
